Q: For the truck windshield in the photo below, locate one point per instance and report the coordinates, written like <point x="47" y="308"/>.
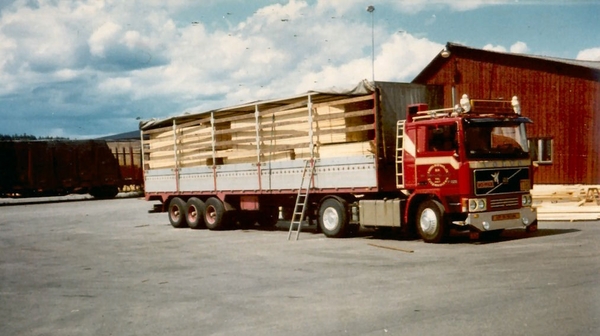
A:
<point x="496" y="139"/>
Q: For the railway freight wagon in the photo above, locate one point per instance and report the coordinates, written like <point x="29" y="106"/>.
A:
<point x="304" y="154"/>
<point x="129" y="155"/>
<point x="52" y="168"/>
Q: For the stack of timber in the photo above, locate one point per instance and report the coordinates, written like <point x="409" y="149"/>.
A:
<point x="343" y="127"/>
<point x="567" y="202"/>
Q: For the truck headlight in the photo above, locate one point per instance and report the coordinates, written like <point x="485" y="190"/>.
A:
<point x="477" y="204"/>
<point x="526" y="200"/>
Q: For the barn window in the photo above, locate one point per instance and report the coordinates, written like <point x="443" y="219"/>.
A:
<point x="541" y="150"/>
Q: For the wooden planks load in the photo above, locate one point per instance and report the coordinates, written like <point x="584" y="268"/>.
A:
<point x="567" y="202"/>
<point x="340" y="128"/>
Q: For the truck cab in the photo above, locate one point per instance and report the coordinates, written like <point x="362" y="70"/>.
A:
<point x="467" y="167"/>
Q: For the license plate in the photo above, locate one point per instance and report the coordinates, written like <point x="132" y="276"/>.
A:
<point x="506" y="216"/>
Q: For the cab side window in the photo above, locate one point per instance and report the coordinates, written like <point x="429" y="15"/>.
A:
<point x="441" y="138"/>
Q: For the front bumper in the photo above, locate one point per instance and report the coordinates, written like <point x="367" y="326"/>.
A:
<point x="505" y="219"/>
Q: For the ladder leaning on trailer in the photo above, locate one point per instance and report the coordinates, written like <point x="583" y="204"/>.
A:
<point x="302" y="199"/>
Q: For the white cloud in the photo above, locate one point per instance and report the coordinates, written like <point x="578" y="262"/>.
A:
<point x="592" y="54"/>
<point x="519" y="48"/>
<point x="492" y="47"/>
<point x="115" y="86"/>
<point x="101" y="37"/>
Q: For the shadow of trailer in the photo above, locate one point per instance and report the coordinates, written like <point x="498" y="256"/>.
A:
<point x="58" y="167"/>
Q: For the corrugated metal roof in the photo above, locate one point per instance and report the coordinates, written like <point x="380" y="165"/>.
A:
<point x="586" y="64"/>
<point x="439" y="60"/>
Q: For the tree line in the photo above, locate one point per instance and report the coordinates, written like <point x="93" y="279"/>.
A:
<point x="24" y="136"/>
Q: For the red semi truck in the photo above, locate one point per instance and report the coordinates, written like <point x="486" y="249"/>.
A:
<point x="375" y="156"/>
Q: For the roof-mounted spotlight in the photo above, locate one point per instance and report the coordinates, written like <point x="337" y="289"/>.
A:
<point x="465" y="103"/>
<point x="515" y="104"/>
<point x="445" y="53"/>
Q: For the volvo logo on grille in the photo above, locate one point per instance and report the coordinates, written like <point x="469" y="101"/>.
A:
<point x="496" y="177"/>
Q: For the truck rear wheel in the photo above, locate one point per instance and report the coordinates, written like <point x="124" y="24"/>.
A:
<point x="333" y="219"/>
<point x="194" y="213"/>
<point x="177" y="213"/>
<point x="214" y="214"/>
<point x="431" y="222"/>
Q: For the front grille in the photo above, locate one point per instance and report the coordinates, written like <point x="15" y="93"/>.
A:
<point x="500" y="203"/>
<point x="497" y="181"/>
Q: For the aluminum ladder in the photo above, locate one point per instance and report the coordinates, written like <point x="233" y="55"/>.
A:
<point x="302" y="199"/>
<point x="399" y="154"/>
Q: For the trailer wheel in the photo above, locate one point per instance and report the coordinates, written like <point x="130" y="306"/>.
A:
<point x="214" y="214"/>
<point x="268" y="217"/>
<point x="431" y="222"/>
<point x="333" y="219"/>
<point x="194" y="213"/>
<point x="177" y="212"/>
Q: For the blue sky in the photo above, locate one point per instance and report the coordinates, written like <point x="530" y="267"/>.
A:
<point x="90" y="68"/>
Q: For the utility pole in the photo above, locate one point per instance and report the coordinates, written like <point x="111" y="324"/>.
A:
<point x="371" y="9"/>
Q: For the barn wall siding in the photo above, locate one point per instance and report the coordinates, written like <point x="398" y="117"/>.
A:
<point x="563" y="107"/>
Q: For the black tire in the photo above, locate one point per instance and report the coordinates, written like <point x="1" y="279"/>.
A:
<point x="431" y="222"/>
<point x="287" y="213"/>
<point x="214" y="214"/>
<point x="104" y="192"/>
<point x="268" y="217"/>
<point x="194" y="213"/>
<point x="333" y="218"/>
<point x="177" y="213"/>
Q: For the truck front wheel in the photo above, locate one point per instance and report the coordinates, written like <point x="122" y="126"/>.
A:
<point x="214" y="214"/>
<point x="177" y="213"/>
<point x="431" y="222"/>
<point x="333" y="219"/>
<point x="194" y="212"/>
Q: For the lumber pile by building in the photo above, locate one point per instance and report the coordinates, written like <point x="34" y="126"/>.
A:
<point x="343" y="127"/>
<point x="567" y="202"/>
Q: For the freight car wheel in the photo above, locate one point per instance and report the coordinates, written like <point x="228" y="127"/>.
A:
<point x="194" y="213"/>
<point x="333" y="219"/>
<point x="111" y="191"/>
<point x="104" y="192"/>
<point x="214" y="214"/>
<point x="431" y="223"/>
<point x="177" y="212"/>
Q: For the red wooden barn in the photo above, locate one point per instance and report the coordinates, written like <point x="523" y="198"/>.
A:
<point x="561" y="96"/>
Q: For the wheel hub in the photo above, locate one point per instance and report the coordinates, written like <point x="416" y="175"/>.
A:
<point x="330" y="219"/>
<point x="211" y="214"/>
<point x="428" y="221"/>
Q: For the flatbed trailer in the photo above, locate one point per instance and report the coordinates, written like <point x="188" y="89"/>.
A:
<point x="252" y="156"/>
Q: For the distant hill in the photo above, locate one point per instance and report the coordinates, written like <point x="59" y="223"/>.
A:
<point x="133" y="135"/>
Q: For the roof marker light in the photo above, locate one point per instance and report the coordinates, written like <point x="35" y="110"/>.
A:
<point x="465" y="103"/>
<point x="515" y="104"/>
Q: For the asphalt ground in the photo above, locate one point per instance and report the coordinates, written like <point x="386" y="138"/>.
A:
<point x="109" y="267"/>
